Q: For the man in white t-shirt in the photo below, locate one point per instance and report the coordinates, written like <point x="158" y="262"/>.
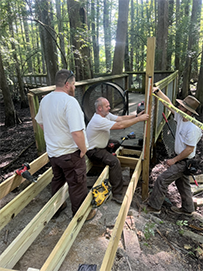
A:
<point x="186" y="138"/>
<point x="98" y="134"/>
<point x="62" y="120"/>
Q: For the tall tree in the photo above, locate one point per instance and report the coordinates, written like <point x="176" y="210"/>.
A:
<point x="162" y="36"/>
<point x="23" y="98"/>
<point x="107" y="33"/>
<point x="47" y="36"/>
<point x="10" y="113"/>
<point x="95" y="33"/>
<point x="199" y="92"/>
<point x="193" y="33"/>
<point x="79" y="38"/>
<point x="59" y="8"/>
<point x="121" y="33"/>
<point x="177" y="39"/>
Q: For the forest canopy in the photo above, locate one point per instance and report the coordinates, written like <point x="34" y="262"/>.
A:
<point x="93" y="37"/>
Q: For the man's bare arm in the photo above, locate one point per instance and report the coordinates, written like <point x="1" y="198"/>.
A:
<point x="184" y="154"/>
<point x="79" y="139"/>
<point x="129" y="122"/>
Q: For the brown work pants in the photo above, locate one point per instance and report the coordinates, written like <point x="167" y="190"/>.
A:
<point x="182" y="181"/>
<point x="115" y="172"/>
<point x="70" y="168"/>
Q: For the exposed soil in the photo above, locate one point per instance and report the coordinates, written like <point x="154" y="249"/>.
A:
<point x="149" y="242"/>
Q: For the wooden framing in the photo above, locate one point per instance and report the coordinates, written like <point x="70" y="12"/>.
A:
<point x="33" y="99"/>
<point x="23" y="241"/>
<point x="18" y="247"/>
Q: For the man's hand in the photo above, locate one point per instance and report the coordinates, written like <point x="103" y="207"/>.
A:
<point x="170" y="162"/>
<point x="142" y="116"/>
<point x="82" y="154"/>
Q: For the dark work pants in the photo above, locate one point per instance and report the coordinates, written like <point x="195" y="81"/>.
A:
<point x="182" y="181"/>
<point x="70" y="168"/>
<point x="115" y="172"/>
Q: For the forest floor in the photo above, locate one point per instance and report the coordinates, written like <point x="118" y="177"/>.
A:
<point x="149" y="242"/>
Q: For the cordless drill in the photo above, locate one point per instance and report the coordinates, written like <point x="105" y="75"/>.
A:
<point x="23" y="171"/>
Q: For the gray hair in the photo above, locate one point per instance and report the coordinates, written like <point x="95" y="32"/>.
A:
<point x="98" y="102"/>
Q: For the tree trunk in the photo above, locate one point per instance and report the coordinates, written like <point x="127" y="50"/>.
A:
<point x="196" y="10"/>
<point x="23" y="98"/>
<point x="47" y="36"/>
<point x="162" y="36"/>
<point x="107" y="34"/>
<point x="122" y="27"/>
<point x="59" y="7"/>
<point x="78" y="33"/>
<point x="10" y="114"/>
<point x="95" y="35"/>
<point x="177" y="41"/>
<point x="170" y="36"/>
<point x="199" y="92"/>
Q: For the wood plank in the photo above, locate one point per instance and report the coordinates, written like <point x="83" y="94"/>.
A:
<point x="128" y="161"/>
<point x="15" y="180"/>
<point x="22" y="242"/>
<point x="5" y="269"/>
<point x="151" y="44"/>
<point x="198" y="178"/>
<point x="61" y="249"/>
<point x="124" y="152"/>
<point x="116" y="234"/>
<point x="8" y="212"/>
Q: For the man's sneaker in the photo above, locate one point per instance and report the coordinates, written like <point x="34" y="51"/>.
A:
<point x="117" y="198"/>
<point x="180" y="211"/>
<point x="91" y="214"/>
<point x="152" y="210"/>
<point x="63" y="206"/>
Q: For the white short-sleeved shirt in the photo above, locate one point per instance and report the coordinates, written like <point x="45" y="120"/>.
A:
<point x="60" y="115"/>
<point x="187" y="133"/>
<point x="98" y="130"/>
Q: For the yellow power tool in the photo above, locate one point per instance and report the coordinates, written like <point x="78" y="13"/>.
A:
<point x="101" y="193"/>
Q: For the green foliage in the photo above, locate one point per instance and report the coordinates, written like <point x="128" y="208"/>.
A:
<point x="149" y="230"/>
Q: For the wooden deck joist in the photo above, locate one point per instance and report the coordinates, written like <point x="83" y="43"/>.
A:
<point x="23" y="241"/>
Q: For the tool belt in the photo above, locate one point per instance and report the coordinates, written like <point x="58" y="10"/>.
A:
<point x="190" y="167"/>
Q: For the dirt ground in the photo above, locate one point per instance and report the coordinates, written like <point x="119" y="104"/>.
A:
<point x="148" y="242"/>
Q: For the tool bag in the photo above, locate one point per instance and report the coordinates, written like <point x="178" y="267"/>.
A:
<point x="87" y="267"/>
<point x="190" y="167"/>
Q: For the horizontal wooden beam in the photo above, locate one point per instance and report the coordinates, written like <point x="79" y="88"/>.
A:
<point x="22" y="242"/>
<point x="8" y="212"/>
<point x="63" y="246"/>
<point x="117" y="230"/>
<point x="15" y="180"/>
<point x="128" y="161"/>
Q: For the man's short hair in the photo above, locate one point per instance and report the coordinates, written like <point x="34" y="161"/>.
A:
<point x="98" y="102"/>
<point x="61" y="77"/>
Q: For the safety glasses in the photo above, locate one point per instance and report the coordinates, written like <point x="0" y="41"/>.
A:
<point x="69" y="76"/>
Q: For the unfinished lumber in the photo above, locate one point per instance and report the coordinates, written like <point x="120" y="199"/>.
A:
<point x="63" y="246"/>
<point x="8" y="212"/>
<point x="116" y="234"/>
<point x="198" y="178"/>
<point x="15" y="180"/>
<point x="5" y="269"/>
<point x="127" y="161"/>
<point x="22" y="242"/>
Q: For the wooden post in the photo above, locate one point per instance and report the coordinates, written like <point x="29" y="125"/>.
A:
<point x="39" y="134"/>
<point x="151" y="43"/>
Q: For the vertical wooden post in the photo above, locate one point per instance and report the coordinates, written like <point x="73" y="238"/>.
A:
<point x="151" y="43"/>
<point x="38" y="132"/>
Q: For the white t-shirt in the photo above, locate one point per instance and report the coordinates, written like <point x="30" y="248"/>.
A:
<point x="187" y="133"/>
<point x="60" y="115"/>
<point x="98" y="130"/>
